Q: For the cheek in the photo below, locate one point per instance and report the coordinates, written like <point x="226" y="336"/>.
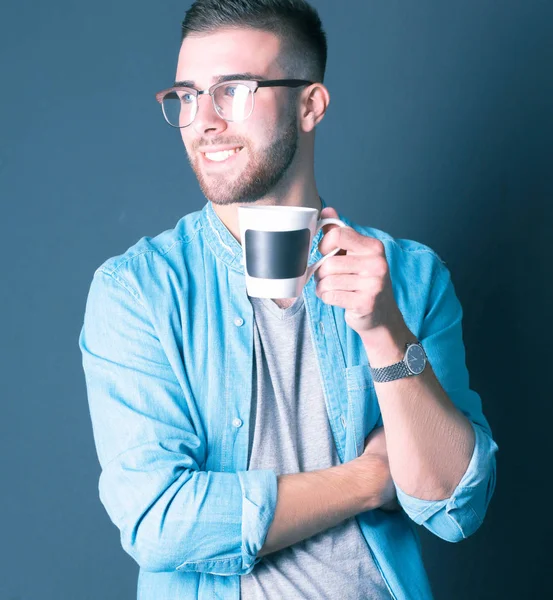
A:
<point x="268" y="112"/>
<point x="260" y="132"/>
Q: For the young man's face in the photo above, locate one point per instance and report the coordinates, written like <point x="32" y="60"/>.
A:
<point x="268" y="137"/>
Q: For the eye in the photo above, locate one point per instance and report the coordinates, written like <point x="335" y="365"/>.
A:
<point x="185" y="97"/>
<point x="230" y="90"/>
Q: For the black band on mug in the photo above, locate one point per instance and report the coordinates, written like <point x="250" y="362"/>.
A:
<point x="276" y="254"/>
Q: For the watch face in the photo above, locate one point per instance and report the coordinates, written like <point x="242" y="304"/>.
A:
<point x="416" y="359"/>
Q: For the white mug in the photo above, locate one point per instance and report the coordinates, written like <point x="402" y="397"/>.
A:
<point x="276" y="241"/>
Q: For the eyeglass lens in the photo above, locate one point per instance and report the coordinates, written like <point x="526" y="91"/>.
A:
<point x="232" y="101"/>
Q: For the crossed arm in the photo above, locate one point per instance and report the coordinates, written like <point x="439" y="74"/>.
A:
<point x="309" y="503"/>
<point x="152" y="477"/>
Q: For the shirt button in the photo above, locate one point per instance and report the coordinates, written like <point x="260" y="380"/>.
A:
<point x="237" y="422"/>
<point x="238" y="321"/>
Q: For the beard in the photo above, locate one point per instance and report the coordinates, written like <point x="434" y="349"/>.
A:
<point x="264" y="170"/>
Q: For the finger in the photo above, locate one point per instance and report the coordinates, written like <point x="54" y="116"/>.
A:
<point x="350" y="240"/>
<point x="363" y="265"/>
<point x="341" y="283"/>
<point x="355" y="301"/>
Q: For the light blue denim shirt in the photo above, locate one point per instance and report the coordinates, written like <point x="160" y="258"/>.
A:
<point x="167" y="353"/>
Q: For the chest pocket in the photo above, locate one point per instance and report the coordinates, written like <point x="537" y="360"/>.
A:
<point x="363" y="409"/>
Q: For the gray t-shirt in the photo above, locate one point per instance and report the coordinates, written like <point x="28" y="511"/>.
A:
<point x="290" y="433"/>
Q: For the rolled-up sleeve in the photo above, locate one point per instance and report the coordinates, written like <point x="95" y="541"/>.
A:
<point x="172" y="515"/>
<point x="457" y="517"/>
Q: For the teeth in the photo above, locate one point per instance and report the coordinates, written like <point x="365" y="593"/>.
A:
<point x="220" y="156"/>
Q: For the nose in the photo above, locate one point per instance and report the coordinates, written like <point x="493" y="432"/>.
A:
<point x="207" y="118"/>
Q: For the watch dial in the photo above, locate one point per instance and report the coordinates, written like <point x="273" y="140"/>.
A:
<point x="416" y="359"/>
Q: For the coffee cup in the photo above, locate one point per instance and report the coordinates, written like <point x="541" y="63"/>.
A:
<point x="276" y="241"/>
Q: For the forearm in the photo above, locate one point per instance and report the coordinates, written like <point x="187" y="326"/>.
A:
<point x="429" y="441"/>
<point x="311" y="502"/>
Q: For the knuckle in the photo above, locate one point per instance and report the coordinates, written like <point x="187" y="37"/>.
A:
<point x="360" y="307"/>
<point x="381" y="266"/>
<point x="378" y="245"/>
<point x="379" y="285"/>
<point x="374" y="287"/>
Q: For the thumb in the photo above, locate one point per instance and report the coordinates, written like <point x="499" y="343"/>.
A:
<point x="326" y="213"/>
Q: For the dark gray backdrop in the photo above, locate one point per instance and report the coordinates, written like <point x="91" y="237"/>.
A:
<point x="439" y="130"/>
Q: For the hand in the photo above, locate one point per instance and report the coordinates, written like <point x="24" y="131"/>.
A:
<point x="358" y="279"/>
<point x="375" y="446"/>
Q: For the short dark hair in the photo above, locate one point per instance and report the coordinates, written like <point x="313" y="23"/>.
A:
<point x="296" y="22"/>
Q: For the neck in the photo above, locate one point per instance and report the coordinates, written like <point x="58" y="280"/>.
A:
<point x="297" y="194"/>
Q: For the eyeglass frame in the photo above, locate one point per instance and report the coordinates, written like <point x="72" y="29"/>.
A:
<point x="253" y="84"/>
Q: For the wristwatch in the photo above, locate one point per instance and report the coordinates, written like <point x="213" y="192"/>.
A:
<point x="413" y="363"/>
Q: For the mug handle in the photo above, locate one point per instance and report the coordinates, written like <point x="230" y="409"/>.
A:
<point x="322" y="222"/>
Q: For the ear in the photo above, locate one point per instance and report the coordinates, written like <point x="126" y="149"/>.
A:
<point x="313" y="105"/>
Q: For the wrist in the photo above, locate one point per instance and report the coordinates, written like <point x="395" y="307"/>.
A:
<point x="386" y="346"/>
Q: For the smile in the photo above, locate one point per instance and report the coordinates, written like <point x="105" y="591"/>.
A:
<point x="221" y="156"/>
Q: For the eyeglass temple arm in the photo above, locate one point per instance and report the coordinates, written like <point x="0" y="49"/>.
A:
<point x="284" y="83"/>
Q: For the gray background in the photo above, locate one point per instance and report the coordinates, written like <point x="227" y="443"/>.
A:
<point x="440" y="130"/>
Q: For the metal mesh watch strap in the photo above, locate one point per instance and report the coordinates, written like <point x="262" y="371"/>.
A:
<point x="391" y="373"/>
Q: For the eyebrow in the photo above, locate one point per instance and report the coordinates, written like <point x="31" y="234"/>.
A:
<point x="220" y="78"/>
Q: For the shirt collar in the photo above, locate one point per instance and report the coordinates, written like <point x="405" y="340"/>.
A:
<point x="226" y="247"/>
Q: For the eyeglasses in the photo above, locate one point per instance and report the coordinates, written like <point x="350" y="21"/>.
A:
<point x="232" y="100"/>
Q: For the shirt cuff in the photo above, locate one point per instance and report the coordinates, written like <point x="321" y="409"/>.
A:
<point x="472" y="493"/>
<point x="259" y="498"/>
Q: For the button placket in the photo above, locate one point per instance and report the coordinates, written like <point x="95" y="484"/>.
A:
<point x="236" y="422"/>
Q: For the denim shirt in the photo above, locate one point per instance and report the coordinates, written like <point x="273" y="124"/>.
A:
<point x="167" y="348"/>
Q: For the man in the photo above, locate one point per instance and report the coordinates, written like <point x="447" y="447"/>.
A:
<point x="276" y="448"/>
